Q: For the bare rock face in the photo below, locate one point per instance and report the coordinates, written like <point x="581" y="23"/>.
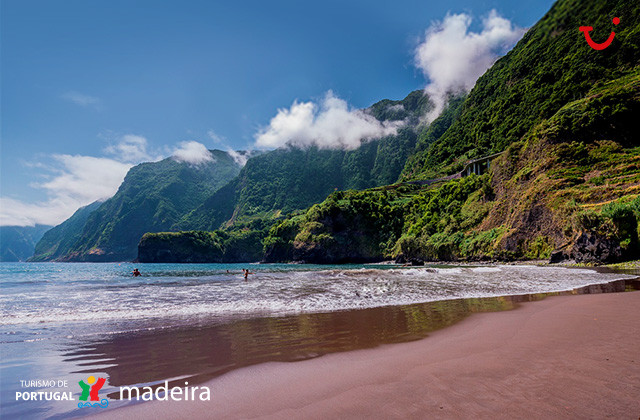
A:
<point x="557" y="257"/>
<point x="593" y="248"/>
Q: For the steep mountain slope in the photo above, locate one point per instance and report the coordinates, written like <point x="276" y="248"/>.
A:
<point x="152" y="197"/>
<point x="564" y="114"/>
<point x="284" y="180"/>
<point x="58" y="240"/>
<point x="551" y="66"/>
<point x="566" y="187"/>
<point x="18" y="242"/>
<point x="569" y="180"/>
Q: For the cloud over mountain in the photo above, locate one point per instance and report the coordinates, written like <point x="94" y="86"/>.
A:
<point x="74" y="181"/>
<point x="192" y="152"/>
<point x="77" y="181"/>
<point x="332" y="124"/>
<point x="452" y="58"/>
<point x="131" y="148"/>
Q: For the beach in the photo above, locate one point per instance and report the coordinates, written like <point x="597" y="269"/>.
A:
<point x="562" y="357"/>
<point x="301" y="335"/>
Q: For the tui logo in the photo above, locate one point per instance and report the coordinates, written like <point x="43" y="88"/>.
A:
<point x="90" y="391"/>
<point x="592" y="43"/>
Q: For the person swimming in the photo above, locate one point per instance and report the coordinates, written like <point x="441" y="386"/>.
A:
<point x="246" y="274"/>
<point x="136" y="273"/>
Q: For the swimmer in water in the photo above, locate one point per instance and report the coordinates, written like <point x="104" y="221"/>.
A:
<point x="136" y="273"/>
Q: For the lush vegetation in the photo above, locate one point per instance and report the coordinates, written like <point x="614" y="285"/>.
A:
<point x="168" y="196"/>
<point x="415" y="167"/>
<point x="152" y="198"/>
<point x="516" y="211"/>
<point x="240" y="243"/>
<point x="572" y="184"/>
<point x="284" y="180"/>
<point x="199" y="246"/>
<point x="550" y="67"/>
<point x="57" y="241"/>
<point x="381" y="223"/>
<point x="617" y="221"/>
<point x="347" y="226"/>
<point x="567" y="184"/>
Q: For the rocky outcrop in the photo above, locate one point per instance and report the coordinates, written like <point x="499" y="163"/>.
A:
<point x="200" y="247"/>
<point x="593" y="248"/>
<point x="179" y="248"/>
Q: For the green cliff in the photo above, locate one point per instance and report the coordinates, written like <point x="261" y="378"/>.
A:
<point x="152" y="198"/>
<point x="550" y="67"/>
<point x="57" y="241"/>
<point x="566" y="186"/>
<point x="288" y="179"/>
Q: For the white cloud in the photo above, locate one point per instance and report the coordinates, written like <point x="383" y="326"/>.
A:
<point x="78" y="181"/>
<point x="131" y="148"/>
<point x="331" y="125"/>
<point x="81" y="99"/>
<point x="73" y="181"/>
<point x="395" y="108"/>
<point x="86" y="178"/>
<point x="452" y="58"/>
<point x="240" y="157"/>
<point x="215" y="137"/>
<point x="192" y="152"/>
<point x="18" y="213"/>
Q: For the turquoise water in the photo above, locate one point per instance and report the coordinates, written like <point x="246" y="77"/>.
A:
<point x="64" y="322"/>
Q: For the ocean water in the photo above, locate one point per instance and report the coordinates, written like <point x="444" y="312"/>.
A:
<point x="63" y="322"/>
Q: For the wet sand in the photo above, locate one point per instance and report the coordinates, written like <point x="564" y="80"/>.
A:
<point x="562" y="357"/>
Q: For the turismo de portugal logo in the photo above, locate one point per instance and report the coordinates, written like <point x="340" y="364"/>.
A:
<point x="90" y="391"/>
<point x="36" y="390"/>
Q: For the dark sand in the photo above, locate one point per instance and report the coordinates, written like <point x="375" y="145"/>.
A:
<point x="563" y="357"/>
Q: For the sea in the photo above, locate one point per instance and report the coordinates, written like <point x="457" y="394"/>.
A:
<point x="63" y="323"/>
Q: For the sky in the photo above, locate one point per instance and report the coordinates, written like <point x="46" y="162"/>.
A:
<point x="90" y="88"/>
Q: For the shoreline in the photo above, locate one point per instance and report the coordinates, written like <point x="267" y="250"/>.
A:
<point x="562" y="357"/>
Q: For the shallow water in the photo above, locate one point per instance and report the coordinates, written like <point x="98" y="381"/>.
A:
<point x="193" y="322"/>
<point x="53" y="293"/>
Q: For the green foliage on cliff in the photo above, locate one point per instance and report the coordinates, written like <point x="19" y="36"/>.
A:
<point x="617" y="220"/>
<point x="415" y="167"/>
<point x="198" y="246"/>
<point x="289" y="179"/>
<point x="564" y="114"/>
<point x="375" y="224"/>
<point x="58" y="240"/>
<point x="551" y="66"/>
<point x="347" y="226"/>
<point x="565" y="179"/>
<point x="152" y="198"/>
<point x="168" y="196"/>
<point x="241" y="243"/>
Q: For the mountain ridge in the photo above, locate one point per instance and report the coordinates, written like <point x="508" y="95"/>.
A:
<point x="17" y="243"/>
<point x="564" y="116"/>
<point x="152" y="197"/>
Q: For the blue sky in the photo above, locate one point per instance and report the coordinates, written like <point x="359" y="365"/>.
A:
<point x="78" y="77"/>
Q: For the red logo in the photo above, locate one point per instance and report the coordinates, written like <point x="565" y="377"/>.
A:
<point x="595" y="45"/>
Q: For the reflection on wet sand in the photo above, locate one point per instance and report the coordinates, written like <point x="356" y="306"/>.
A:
<point x="199" y="353"/>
